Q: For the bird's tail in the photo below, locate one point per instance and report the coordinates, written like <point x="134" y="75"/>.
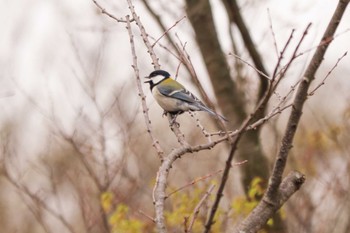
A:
<point x="205" y="108"/>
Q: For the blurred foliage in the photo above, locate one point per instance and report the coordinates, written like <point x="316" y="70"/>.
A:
<point x="181" y="209"/>
<point x="119" y="216"/>
<point x="183" y="204"/>
<point x="243" y="205"/>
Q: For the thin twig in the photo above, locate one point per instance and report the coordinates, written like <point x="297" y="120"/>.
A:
<point x="199" y="125"/>
<point x="155" y="141"/>
<point x="194" y="182"/>
<point x="166" y="31"/>
<point x="280" y="57"/>
<point x="299" y="101"/>
<point x="36" y="199"/>
<point x="328" y="74"/>
<point x="144" y="35"/>
<point x="203" y="178"/>
<point x="147" y="216"/>
<point x="104" y="11"/>
<point x="186" y="60"/>
<point x="245" y="125"/>
<point x="284" y="70"/>
<point x="175" y="127"/>
<point x="272" y="32"/>
<point x="323" y="43"/>
<point x="198" y="206"/>
<point x="262" y="74"/>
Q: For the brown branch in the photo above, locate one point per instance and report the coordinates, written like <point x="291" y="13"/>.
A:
<point x="224" y="178"/>
<point x="279" y="191"/>
<point x="175" y="127"/>
<point x="167" y="30"/>
<point x="144" y="35"/>
<point x="194" y="182"/>
<point x="155" y="141"/>
<point x="327" y="75"/>
<point x="273" y="33"/>
<point x="159" y="190"/>
<point x="24" y="190"/>
<point x="229" y="96"/>
<point x="262" y="74"/>
<point x="200" y="126"/>
<point x="104" y="11"/>
<point x="185" y="58"/>
<point x="198" y="206"/>
<point x="244" y="127"/>
<point x="299" y="101"/>
<point x="147" y="216"/>
<point x="265" y="210"/>
<point x="159" y="22"/>
<point x="236" y="17"/>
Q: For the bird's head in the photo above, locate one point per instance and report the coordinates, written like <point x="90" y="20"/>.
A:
<point x="157" y="77"/>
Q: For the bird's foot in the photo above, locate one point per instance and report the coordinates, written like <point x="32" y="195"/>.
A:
<point x="165" y="113"/>
<point x="173" y="121"/>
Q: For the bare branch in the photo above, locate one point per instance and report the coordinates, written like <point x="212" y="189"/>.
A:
<point x="147" y="216"/>
<point x="166" y="31"/>
<point x="259" y="216"/>
<point x="262" y="74"/>
<point x="279" y="191"/>
<point x="273" y="33"/>
<point x="198" y="206"/>
<point x="328" y="74"/>
<point x="299" y="101"/>
<point x="194" y="182"/>
<point x="24" y="190"/>
<point x="104" y="11"/>
<point x="144" y="35"/>
<point x="155" y="141"/>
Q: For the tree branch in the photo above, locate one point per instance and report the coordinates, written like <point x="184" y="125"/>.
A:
<point x="279" y="191"/>
<point x="300" y="99"/>
<point x="144" y="35"/>
<point x="141" y="93"/>
<point x="265" y="209"/>
<point x="236" y="17"/>
<point x="104" y="11"/>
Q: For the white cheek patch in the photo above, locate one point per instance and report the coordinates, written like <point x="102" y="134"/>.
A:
<point x="157" y="78"/>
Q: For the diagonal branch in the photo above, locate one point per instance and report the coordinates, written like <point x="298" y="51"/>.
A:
<point x="279" y="191"/>
<point x="236" y="17"/>
<point x="300" y="99"/>
<point x="104" y="11"/>
<point x="155" y="60"/>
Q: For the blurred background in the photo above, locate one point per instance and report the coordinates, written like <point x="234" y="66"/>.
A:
<point x="75" y="155"/>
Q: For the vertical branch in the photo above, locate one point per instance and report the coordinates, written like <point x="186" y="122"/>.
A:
<point x="236" y="17"/>
<point x="161" y="183"/>
<point x="198" y="206"/>
<point x="300" y="98"/>
<point x="144" y="35"/>
<point x="141" y="93"/>
<point x="279" y="191"/>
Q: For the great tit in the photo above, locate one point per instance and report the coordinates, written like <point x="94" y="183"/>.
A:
<point x="173" y="97"/>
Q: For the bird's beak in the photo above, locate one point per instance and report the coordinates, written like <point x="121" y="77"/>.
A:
<point x="148" y="81"/>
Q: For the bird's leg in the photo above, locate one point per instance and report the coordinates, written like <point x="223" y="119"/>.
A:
<point x="173" y="119"/>
<point x="165" y="113"/>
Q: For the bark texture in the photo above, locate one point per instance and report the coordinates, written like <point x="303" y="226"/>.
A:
<point x="228" y="95"/>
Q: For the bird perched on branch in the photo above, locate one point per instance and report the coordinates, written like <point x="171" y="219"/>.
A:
<point x="173" y="97"/>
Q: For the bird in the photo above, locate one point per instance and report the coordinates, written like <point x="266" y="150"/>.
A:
<point x="173" y="97"/>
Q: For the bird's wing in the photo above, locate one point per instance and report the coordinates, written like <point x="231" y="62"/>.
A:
<point x="185" y="95"/>
<point x="178" y="92"/>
